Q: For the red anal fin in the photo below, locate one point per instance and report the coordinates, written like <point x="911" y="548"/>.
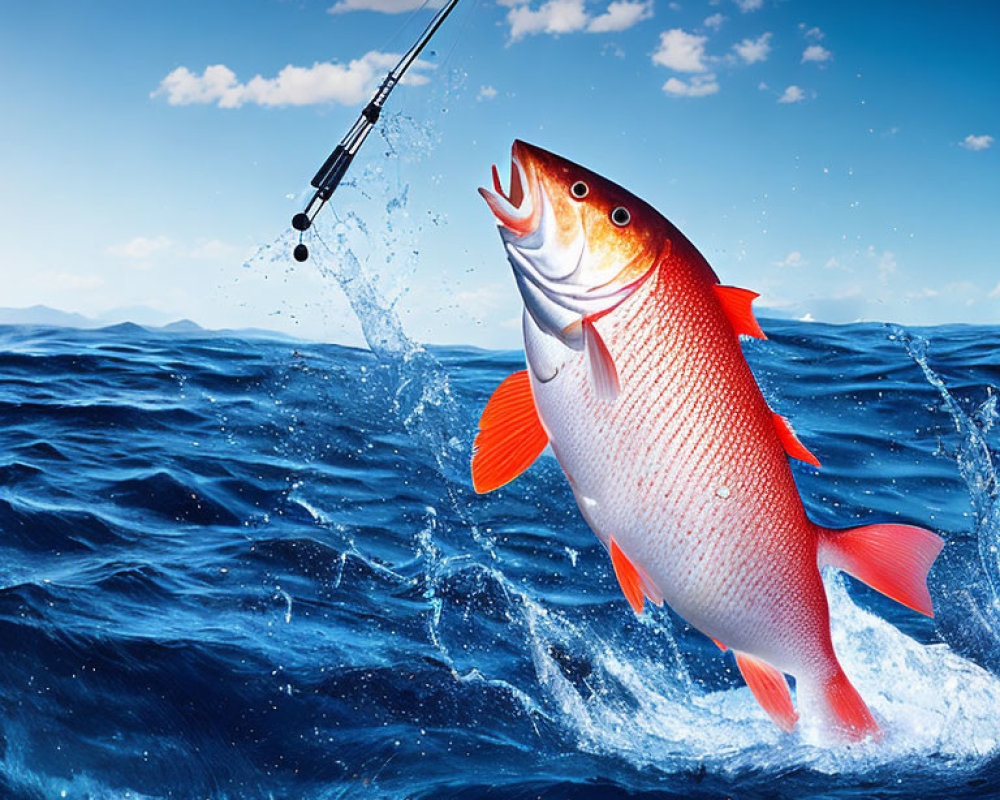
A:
<point x="630" y="579"/>
<point x="736" y="303"/>
<point x="510" y="435"/>
<point x="770" y="689"/>
<point x="892" y="559"/>
<point x="602" y="367"/>
<point x="791" y="442"/>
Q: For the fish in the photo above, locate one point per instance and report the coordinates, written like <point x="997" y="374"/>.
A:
<point x="636" y="379"/>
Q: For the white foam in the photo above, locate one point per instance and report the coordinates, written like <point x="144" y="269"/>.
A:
<point x="938" y="711"/>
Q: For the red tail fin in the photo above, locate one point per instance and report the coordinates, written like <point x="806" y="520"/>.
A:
<point x="892" y="559"/>
<point x="847" y="710"/>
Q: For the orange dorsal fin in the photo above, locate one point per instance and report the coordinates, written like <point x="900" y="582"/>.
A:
<point x="736" y="303"/>
<point x="603" y="372"/>
<point x="633" y="579"/>
<point x="791" y="442"/>
<point x="770" y="688"/>
<point x="510" y="435"/>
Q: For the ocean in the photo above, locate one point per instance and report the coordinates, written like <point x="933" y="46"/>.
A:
<point x="256" y="568"/>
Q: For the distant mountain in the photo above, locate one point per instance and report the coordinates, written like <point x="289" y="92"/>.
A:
<point x="140" y="315"/>
<point x="43" y="315"/>
<point x="134" y="318"/>
<point x="183" y="326"/>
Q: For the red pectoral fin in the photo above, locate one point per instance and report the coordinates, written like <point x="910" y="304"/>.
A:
<point x="510" y="436"/>
<point x="736" y="303"/>
<point x="602" y="367"/>
<point x="771" y="690"/>
<point x="790" y="441"/>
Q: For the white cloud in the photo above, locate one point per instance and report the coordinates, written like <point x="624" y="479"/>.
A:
<point x="385" y="6"/>
<point x="813" y="33"/>
<point x="698" y="86"/>
<point x="886" y="265"/>
<point x="555" y="16"/>
<point x="996" y="291"/>
<point x="323" y="82"/>
<point x="619" y="16"/>
<point x="714" y="22"/>
<point x="486" y="93"/>
<point x="680" y="51"/>
<point x="816" y="53"/>
<point x="140" y="247"/>
<point x="973" y="142"/>
<point x="792" y="94"/>
<point x="754" y="50"/>
<point x="749" y="5"/>
<point x="570" y="16"/>
<point x="793" y="259"/>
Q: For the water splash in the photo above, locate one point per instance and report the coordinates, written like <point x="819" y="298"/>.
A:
<point x="976" y="466"/>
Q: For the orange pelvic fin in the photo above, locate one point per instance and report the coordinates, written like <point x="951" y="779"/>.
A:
<point x="892" y="559"/>
<point x="510" y="435"/>
<point x="602" y="367"/>
<point x="771" y="690"/>
<point x="634" y="581"/>
<point x="847" y="711"/>
<point x="736" y="303"/>
<point x="791" y="442"/>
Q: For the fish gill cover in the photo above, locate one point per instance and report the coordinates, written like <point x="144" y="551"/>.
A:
<point x="257" y="569"/>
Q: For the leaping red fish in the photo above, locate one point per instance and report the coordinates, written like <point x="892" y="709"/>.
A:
<point x="637" y="380"/>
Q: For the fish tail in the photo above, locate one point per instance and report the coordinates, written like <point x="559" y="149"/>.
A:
<point x="892" y="559"/>
<point x="845" y="710"/>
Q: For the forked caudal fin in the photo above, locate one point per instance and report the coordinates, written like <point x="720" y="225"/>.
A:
<point x="510" y="436"/>
<point x="892" y="559"/>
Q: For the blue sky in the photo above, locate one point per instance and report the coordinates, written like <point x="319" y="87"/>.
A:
<point x="839" y="158"/>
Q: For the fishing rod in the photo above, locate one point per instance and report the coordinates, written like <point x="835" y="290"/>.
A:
<point x="329" y="176"/>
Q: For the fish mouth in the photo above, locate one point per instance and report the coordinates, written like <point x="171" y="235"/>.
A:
<point x="517" y="211"/>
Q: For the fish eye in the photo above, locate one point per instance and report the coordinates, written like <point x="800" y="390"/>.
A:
<point x="579" y="190"/>
<point x="621" y="217"/>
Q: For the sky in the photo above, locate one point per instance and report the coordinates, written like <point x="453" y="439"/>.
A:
<point x="839" y="158"/>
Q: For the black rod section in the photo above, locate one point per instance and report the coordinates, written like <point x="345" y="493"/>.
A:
<point x="328" y="177"/>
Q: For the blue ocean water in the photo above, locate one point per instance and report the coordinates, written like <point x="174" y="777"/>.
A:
<point x="251" y="568"/>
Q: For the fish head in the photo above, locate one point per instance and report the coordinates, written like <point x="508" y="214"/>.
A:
<point x="578" y="243"/>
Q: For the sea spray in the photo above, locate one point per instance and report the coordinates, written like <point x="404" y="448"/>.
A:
<point x="978" y="597"/>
